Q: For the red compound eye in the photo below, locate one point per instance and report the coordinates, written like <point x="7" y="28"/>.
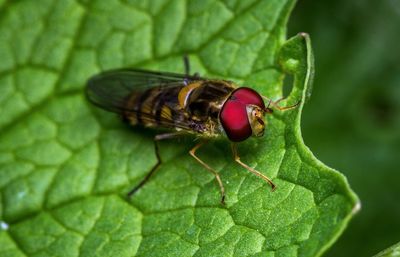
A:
<point x="248" y="96"/>
<point x="233" y="115"/>
<point x="234" y="121"/>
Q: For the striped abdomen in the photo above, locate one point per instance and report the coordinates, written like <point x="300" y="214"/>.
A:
<point x="153" y="107"/>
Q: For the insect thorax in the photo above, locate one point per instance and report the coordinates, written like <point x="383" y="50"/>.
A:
<point x="202" y="104"/>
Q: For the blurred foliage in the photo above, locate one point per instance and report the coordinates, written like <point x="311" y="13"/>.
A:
<point x="393" y="251"/>
<point x="352" y="122"/>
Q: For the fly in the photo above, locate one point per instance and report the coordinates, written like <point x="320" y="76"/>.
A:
<point x="184" y="104"/>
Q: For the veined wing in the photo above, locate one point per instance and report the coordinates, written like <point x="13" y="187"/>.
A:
<point x="111" y="90"/>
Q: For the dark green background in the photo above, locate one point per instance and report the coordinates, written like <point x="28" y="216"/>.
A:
<point x="352" y="122"/>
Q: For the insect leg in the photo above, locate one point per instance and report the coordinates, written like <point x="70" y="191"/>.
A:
<point x="146" y="178"/>
<point x="275" y="103"/>
<point x="255" y="172"/>
<point x="193" y="154"/>
<point x="186" y="64"/>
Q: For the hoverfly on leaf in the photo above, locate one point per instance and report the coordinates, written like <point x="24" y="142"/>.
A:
<point x="184" y="104"/>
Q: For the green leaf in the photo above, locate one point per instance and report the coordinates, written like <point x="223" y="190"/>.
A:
<point x="65" y="166"/>
<point x="393" y="251"/>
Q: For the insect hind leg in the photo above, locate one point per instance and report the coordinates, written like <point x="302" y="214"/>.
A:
<point x="155" y="167"/>
<point x="192" y="152"/>
<point x="186" y="64"/>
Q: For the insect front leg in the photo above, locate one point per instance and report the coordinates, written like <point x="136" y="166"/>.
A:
<point x="275" y="103"/>
<point x="255" y="172"/>
<point x="221" y="186"/>
<point x="146" y="178"/>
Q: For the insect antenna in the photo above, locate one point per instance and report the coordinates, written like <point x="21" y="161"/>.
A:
<point x="267" y="109"/>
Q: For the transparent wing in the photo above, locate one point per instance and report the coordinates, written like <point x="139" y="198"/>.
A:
<point x="111" y="89"/>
